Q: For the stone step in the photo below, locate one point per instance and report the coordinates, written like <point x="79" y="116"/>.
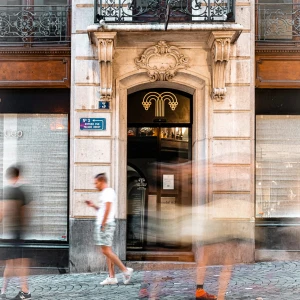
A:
<point x="160" y="260"/>
<point x="186" y="256"/>
<point x="159" y="265"/>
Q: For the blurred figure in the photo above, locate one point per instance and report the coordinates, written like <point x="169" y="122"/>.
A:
<point x="105" y="228"/>
<point x="214" y="225"/>
<point x="12" y="215"/>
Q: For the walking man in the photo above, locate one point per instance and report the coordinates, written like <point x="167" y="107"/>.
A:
<point x="105" y="228"/>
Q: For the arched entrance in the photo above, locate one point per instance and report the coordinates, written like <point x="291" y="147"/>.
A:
<point x="191" y="84"/>
<point x="159" y="189"/>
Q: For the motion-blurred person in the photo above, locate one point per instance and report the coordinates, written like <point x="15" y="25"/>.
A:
<point x="225" y="240"/>
<point x="216" y="226"/>
<point x="105" y="228"/>
<point x="12" y="214"/>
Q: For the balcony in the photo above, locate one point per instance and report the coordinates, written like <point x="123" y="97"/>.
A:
<point x="163" y="11"/>
<point x="278" y="22"/>
<point x="35" y="25"/>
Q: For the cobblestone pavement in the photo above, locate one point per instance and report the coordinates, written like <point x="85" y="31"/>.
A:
<point x="260" y="281"/>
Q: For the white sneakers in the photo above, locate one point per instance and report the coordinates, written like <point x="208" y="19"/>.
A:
<point x="126" y="278"/>
<point x="127" y="275"/>
<point x="109" y="280"/>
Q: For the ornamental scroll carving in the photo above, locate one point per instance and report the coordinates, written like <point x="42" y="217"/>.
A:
<point x="220" y="51"/>
<point x="106" y="43"/>
<point x="162" y="61"/>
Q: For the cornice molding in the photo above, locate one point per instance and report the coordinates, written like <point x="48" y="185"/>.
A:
<point x="188" y="27"/>
<point x="288" y="47"/>
<point x="35" y="52"/>
<point x="277" y="50"/>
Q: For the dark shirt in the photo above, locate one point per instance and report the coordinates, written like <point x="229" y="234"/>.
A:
<point x="12" y="192"/>
<point x="14" y="200"/>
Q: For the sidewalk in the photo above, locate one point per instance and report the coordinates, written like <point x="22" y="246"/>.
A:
<point x="262" y="281"/>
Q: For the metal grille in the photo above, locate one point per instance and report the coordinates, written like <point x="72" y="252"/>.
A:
<point x="42" y="152"/>
<point x="278" y="21"/>
<point x="158" y="11"/>
<point x="277" y="166"/>
<point x="34" y="24"/>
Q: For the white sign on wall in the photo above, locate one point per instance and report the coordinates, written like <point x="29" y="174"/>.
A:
<point x="168" y="181"/>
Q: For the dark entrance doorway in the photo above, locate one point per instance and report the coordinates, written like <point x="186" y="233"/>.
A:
<point x="158" y="174"/>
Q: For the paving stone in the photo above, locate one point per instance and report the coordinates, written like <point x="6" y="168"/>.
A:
<point x="266" y="281"/>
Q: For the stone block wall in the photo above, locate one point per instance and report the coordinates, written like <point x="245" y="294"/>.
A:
<point x="232" y="139"/>
<point x="91" y="151"/>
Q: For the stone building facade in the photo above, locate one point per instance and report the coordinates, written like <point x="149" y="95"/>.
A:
<point x="211" y="62"/>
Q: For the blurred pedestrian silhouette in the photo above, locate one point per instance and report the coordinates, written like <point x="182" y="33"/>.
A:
<point x="217" y="226"/>
<point x="13" y="216"/>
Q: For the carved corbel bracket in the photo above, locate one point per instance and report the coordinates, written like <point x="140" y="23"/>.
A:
<point x="105" y="41"/>
<point x="162" y="61"/>
<point x="219" y="43"/>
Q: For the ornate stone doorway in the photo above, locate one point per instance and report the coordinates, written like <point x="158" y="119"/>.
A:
<point x="184" y="82"/>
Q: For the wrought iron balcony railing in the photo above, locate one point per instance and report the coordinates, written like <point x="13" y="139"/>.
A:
<point x="158" y="11"/>
<point x="278" y="22"/>
<point x="36" y="24"/>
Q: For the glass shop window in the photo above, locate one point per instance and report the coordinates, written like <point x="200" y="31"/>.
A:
<point x="34" y="21"/>
<point x="39" y="144"/>
<point x="277" y="166"/>
<point x="277" y="19"/>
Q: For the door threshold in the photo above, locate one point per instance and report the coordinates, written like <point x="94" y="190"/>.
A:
<point x="160" y="265"/>
<point x="166" y="256"/>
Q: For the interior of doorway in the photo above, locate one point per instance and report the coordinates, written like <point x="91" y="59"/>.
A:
<point x="159" y="156"/>
<point x="158" y="192"/>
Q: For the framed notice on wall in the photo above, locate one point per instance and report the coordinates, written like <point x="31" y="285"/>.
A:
<point x="168" y="181"/>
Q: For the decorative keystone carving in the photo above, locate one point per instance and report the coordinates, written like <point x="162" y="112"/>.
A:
<point x="105" y="42"/>
<point x="162" y="61"/>
<point x="220" y="50"/>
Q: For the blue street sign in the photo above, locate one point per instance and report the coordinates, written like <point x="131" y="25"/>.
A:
<point x="92" y="124"/>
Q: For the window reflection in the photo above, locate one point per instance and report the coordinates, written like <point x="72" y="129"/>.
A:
<point x="39" y="143"/>
<point x="277" y="19"/>
<point x="277" y="166"/>
<point x="172" y="133"/>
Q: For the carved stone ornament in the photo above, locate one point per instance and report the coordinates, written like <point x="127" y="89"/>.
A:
<point x="105" y="42"/>
<point x="162" y="61"/>
<point x="220" y="50"/>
